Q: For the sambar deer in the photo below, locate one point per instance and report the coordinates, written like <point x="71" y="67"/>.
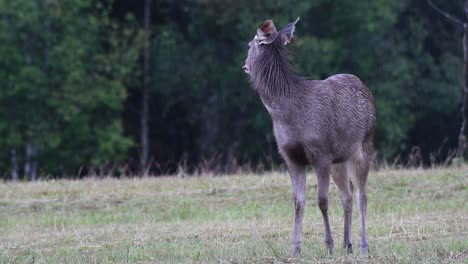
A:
<point x="326" y="123"/>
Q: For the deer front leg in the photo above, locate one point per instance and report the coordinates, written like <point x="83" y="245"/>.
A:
<point x="323" y="180"/>
<point x="298" y="179"/>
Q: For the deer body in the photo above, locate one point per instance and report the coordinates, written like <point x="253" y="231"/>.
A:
<point x="326" y="123"/>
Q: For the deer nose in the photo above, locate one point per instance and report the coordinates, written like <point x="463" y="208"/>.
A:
<point x="245" y="68"/>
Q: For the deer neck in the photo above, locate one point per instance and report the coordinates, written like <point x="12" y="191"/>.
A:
<point x="273" y="75"/>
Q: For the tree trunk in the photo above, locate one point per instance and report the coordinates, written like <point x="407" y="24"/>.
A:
<point x="33" y="162"/>
<point x="27" y="162"/>
<point x="145" y="95"/>
<point x="463" y="130"/>
<point x="14" y="165"/>
<point x="30" y="163"/>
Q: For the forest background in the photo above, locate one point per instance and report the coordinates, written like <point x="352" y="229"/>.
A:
<point x="90" y="86"/>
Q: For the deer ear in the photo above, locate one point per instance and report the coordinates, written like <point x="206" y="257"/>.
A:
<point x="287" y="32"/>
<point x="266" y="33"/>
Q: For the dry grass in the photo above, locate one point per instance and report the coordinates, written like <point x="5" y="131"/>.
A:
<point x="414" y="216"/>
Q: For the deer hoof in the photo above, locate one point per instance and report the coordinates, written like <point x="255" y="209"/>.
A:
<point x="295" y="250"/>
<point x="349" y="248"/>
<point x="330" y="246"/>
<point x="364" y="249"/>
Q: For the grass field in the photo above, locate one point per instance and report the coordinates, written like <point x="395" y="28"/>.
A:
<point x="414" y="216"/>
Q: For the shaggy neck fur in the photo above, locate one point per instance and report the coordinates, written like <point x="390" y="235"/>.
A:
<point x="271" y="74"/>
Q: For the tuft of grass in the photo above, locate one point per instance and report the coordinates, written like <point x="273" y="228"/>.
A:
<point x="414" y="216"/>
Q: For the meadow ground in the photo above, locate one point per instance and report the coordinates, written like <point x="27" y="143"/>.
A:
<point x="414" y="216"/>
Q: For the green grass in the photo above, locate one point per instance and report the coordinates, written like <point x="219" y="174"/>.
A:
<point x="414" y="216"/>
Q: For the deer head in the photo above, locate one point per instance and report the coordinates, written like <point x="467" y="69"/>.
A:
<point x="267" y="35"/>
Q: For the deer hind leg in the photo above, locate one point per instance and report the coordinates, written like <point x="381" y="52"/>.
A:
<point x="340" y="177"/>
<point x="298" y="179"/>
<point x="361" y="164"/>
<point x="323" y="180"/>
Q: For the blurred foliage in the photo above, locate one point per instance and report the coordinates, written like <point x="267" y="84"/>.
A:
<point x="64" y="65"/>
<point x="409" y="56"/>
<point x="70" y="76"/>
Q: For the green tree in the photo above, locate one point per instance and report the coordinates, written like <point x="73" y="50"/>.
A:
<point x="64" y="85"/>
